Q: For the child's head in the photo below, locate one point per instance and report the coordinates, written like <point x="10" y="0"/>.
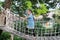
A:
<point x="29" y="11"/>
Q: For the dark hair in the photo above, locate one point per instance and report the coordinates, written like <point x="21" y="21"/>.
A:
<point x="30" y="10"/>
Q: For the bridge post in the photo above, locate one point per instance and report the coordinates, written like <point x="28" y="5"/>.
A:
<point x="8" y="22"/>
<point x="11" y="37"/>
<point x="7" y="5"/>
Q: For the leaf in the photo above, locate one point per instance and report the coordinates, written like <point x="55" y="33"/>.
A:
<point x="28" y="4"/>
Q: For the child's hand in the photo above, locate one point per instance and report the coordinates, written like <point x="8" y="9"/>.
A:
<point x="21" y="17"/>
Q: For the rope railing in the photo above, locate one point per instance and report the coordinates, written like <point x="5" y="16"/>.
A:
<point x="42" y="28"/>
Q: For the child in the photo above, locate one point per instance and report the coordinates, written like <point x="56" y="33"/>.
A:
<point x="30" y="21"/>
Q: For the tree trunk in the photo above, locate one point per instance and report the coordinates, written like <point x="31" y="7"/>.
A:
<point x="12" y="36"/>
<point x="7" y="5"/>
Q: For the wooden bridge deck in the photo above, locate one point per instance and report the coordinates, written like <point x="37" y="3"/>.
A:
<point x="14" y="32"/>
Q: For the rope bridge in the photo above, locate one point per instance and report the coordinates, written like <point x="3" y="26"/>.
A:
<point x="44" y="30"/>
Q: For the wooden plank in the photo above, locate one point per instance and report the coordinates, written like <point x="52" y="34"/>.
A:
<point x="14" y="32"/>
<point x="49" y="38"/>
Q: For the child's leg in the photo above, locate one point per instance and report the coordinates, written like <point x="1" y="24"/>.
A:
<point x="33" y="32"/>
<point x="26" y="31"/>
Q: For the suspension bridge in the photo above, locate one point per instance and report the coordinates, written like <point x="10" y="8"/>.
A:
<point x="11" y="25"/>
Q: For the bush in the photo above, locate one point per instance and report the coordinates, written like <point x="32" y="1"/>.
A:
<point x="5" y="36"/>
<point x="18" y="38"/>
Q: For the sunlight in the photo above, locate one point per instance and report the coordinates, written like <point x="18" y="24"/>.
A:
<point x="2" y="0"/>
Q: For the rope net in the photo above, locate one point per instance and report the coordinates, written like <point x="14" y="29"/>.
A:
<point x="42" y="28"/>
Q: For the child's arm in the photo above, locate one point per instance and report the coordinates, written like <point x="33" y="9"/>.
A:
<point x="38" y="18"/>
<point x="35" y="18"/>
<point x="23" y="18"/>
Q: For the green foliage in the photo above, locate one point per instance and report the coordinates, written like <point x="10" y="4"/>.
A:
<point x="1" y="5"/>
<point x="5" y="36"/>
<point x="28" y="4"/>
<point x="42" y="10"/>
<point x="18" y="38"/>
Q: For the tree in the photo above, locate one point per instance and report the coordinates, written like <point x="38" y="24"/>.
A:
<point x="41" y="10"/>
<point x="7" y="4"/>
<point x="19" y="7"/>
